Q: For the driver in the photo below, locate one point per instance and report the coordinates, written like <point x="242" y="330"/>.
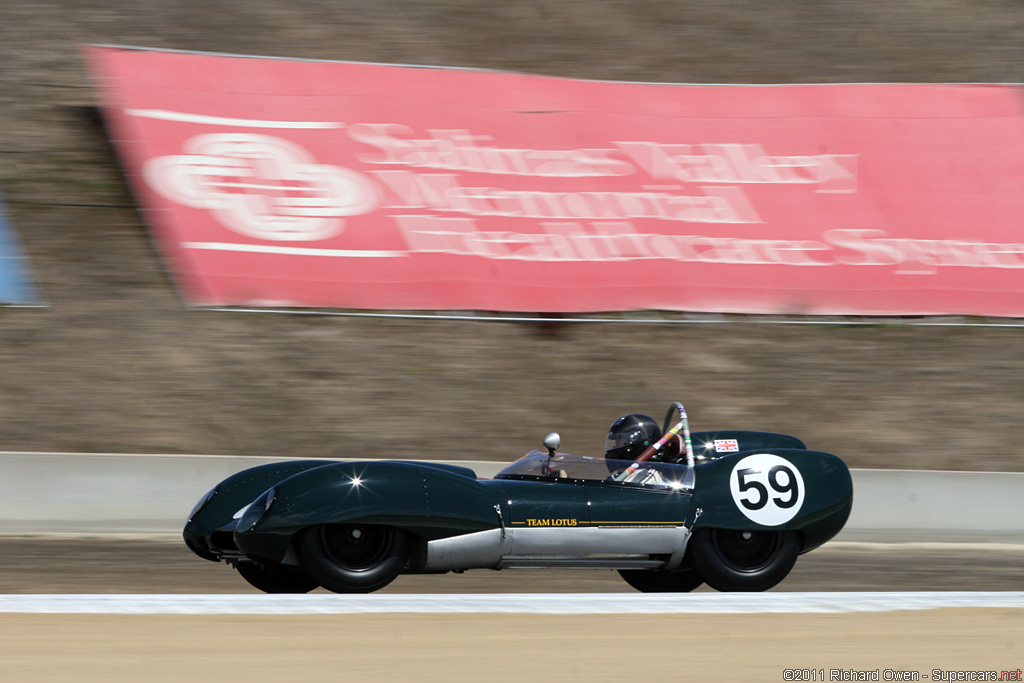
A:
<point x="629" y="436"/>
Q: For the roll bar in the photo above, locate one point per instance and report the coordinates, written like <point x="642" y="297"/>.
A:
<point x="683" y="426"/>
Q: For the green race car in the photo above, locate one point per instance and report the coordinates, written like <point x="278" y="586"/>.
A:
<point x="668" y="510"/>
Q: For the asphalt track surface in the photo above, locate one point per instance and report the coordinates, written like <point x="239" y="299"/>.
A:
<point x="500" y="647"/>
<point x="164" y="565"/>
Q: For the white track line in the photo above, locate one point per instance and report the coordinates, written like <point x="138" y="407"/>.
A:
<point x="531" y="603"/>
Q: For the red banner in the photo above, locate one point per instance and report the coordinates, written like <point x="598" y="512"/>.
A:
<point x="326" y="184"/>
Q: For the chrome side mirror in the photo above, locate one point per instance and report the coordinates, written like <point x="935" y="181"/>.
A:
<point x="551" y="442"/>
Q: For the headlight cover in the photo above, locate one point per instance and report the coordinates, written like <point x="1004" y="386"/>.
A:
<point x="203" y="502"/>
<point x="256" y="511"/>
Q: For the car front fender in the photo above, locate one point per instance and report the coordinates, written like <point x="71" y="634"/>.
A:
<point x="233" y="494"/>
<point x="430" y="502"/>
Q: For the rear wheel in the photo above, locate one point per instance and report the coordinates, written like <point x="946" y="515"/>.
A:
<point x="353" y="558"/>
<point x="732" y="560"/>
<point x="276" y="579"/>
<point x="647" y="581"/>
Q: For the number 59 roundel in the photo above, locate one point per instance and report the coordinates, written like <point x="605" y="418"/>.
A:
<point x="767" y="489"/>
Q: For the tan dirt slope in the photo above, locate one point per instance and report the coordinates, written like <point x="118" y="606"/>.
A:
<point x="117" y="364"/>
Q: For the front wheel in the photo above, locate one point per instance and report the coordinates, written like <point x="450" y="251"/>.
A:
<point x="353" y="558"/>
<point x="647" y="581"/>
<point x="276" y="579"/>
<point x="732" y="560"/>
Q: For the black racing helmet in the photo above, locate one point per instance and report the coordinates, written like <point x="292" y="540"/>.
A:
<point x="629" y="436"/>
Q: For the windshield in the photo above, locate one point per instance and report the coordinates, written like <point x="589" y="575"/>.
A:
<point x="565" y="467"/>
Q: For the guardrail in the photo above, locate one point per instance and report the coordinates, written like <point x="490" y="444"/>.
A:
<point x="83" y="494"/>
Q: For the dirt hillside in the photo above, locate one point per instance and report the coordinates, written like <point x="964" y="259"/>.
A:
<point x="116" y="363"/>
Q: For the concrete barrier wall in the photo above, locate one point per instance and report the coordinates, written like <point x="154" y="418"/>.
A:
<point x="145" y="494"/>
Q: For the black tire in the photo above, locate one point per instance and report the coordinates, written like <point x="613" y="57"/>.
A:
<point x="647" y="581"/>
<point x="276" y="579"/>
<point x="353" y="558"/>
<point x="743" y="560"/>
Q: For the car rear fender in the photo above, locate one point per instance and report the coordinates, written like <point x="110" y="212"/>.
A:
<point x="757" y="490"/>
<point x="715" y="443"/>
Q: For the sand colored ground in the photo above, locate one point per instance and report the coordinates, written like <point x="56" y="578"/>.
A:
<point x="415" y="647"/>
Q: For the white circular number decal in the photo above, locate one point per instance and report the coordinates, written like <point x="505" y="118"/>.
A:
<point x="767" y="489"/>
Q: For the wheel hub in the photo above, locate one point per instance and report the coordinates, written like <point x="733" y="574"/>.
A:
<point x="356" y="547"/>
<point x="745" y="550"/>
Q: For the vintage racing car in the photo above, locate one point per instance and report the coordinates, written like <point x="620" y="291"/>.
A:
<point x="668" y="510"/>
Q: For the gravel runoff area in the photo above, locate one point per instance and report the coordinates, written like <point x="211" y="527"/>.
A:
<point x="512" y="647"/>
